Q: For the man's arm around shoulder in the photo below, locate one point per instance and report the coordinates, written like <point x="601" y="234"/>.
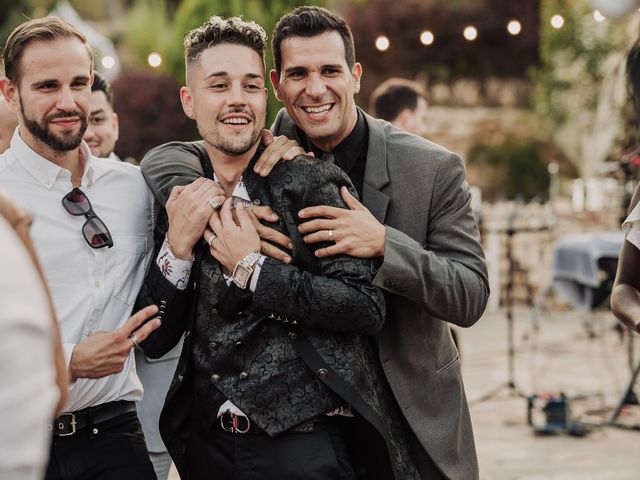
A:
<point x="171" y="164"/>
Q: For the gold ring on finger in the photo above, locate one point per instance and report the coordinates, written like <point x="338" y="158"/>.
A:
<point x="211" y="239"/>
<point x="331" y="235"/>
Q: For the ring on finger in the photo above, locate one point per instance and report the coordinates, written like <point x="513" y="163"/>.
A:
<point x="212" y="238"/>
<point x="214" y="203"/>
<point x="134" y="340"/>
<point x="331" y="235"/>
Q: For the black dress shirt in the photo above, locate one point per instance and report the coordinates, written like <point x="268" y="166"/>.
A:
<point x="350" y="155"/>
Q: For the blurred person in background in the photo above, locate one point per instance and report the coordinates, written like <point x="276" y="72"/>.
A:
<point x="102" y="131"/>
<point x="401" y="102"/>
<point x="33" y="372"/>
<point x="155" y="374"/>
<point x="8" y="124"/>
<point x="93" y="252"/>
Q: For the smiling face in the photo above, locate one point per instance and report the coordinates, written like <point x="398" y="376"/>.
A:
<point x="225" y="94"/>
<point x="317" y="87"/>
<point x="102" y="133"/>
<point x="52" y="97"/>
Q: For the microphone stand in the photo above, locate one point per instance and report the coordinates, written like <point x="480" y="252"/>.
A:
<point x="510" y="385"/>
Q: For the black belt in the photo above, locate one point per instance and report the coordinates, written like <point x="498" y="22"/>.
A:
<point x="69" y="423"/>
<point x="232" y="423"/>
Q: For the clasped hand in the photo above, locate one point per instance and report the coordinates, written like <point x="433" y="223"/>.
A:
<point x="231" y="239"/>
<point x="356" y="232"/>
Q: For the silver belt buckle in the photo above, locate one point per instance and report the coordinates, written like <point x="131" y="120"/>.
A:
<point x="61" y="425"/>
<point x="235" y="426"/>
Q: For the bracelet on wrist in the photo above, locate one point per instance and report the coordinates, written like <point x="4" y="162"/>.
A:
<point x="192" y="258"/>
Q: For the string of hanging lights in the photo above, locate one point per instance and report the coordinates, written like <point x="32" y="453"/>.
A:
<point x="514" y="27"/>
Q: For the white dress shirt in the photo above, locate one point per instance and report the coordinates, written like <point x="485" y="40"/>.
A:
<point x="28" y="391"/>
<point x="92" y="289"/>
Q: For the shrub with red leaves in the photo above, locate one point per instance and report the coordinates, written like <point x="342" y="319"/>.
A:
<point x="148" y="105"/>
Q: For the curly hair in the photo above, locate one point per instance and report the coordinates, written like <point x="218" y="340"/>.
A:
<point x="218" y="30"/>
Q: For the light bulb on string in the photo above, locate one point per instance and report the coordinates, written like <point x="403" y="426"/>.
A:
<point x="470" y="33"/>
<point x="382" y="43"/>
<point x="426" y="37"/>
<point x="514" y="27"/>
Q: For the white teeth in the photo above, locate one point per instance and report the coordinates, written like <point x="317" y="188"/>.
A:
<point x="235" y="121"/>
<point x="318" y="110"/>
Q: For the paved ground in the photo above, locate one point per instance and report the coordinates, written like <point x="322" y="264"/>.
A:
<point x="560" y="356"/>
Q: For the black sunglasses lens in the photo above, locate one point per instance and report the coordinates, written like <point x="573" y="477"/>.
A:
<point x="96" y="233"/>
<point x="76" y="202"/>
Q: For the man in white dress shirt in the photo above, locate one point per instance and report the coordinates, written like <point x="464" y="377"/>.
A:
<point x="93" y="252"/>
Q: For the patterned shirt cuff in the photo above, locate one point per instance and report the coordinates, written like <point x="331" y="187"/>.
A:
<point x="174" y="269"/>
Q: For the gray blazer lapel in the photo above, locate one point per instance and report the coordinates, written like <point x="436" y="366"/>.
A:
<point x="376" y="175"/>
<point x="375" y="201"/>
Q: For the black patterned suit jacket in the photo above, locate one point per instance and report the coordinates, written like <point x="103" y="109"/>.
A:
<point x="303" y="341"/>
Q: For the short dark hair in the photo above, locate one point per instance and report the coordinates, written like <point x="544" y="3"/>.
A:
<point x="218" y="30"/>
<point x="43" y="29"/>
<point x="308" y="22"/>
<point x="101" y="84"/>
<point x="393" y="96"/>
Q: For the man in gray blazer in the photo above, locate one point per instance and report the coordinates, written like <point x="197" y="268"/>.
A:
<point x="415" y="218"/>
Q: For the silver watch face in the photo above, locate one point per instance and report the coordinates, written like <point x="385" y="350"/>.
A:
<point x="244" y="269"/>
<point x="241" y="275"/>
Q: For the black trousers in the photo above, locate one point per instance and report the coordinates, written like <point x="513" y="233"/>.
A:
<point x="317" y="455"/>
<point x="116" y="451"/>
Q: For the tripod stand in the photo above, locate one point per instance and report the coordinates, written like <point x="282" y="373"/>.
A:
<point x="510" y="386"/>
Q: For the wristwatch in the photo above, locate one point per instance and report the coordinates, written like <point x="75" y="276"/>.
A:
<point x="244" y="269"/>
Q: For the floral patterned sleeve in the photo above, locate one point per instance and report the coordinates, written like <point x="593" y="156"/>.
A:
<point x="174" y="269"/>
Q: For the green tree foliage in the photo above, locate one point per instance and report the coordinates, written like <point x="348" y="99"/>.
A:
<point x="148" y="29"/>
<point x="580" y="85"/>
<point x="571" y="59"/>
<point x="514" y="170"/>
<point x="15" y="12"/>
<point x="165" y="30"/>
